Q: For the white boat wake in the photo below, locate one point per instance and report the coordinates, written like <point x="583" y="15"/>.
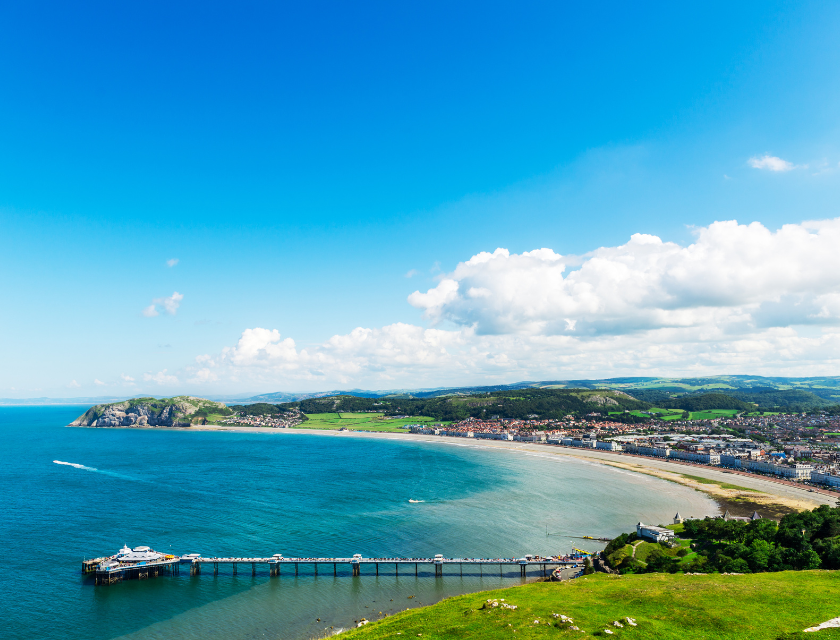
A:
<point x="77" y="466"/>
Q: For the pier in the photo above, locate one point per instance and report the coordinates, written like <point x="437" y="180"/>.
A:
<point x="120" y="567"/>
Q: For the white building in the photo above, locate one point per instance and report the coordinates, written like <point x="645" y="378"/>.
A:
<point x="825" y="478"/>
<point x="728" y="460"/>
<point x="654" y="534"/>
<point x="607" y="445"/>
<point x="690" y="456"/>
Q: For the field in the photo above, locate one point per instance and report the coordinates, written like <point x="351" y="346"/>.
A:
<point x="677" y="414"/>
<point x="680" y="607"/>
<point x="359" y="422"/>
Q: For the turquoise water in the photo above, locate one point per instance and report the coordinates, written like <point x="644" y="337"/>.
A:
<point x="259" y="494"/>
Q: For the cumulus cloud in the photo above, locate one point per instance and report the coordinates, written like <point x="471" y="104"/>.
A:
<point x="98" y="383"/>
<point x="169" y="304"/>
<point x="127" y="379"/>
<point x="770" y="163"/>
<point x="161" y="378"/>
<point x="171" y="262"/>
<point x="727" y="277"/>
<point x="739" y="298"/>
<point x="73" y="385"/>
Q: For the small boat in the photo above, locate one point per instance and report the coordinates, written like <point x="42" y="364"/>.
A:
<point x="415" y="501"/>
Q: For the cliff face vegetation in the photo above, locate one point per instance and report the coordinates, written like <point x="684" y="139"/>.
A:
<point x="181" y="411"/>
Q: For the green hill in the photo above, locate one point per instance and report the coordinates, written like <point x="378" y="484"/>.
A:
<point x="514" y="404"/>
<point x="705" y="402"/>
<point x="180" y="411"/>
<point x="663" y="606"/>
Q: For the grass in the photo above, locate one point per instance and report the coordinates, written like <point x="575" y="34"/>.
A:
<point x="216" y="418"/>
<point x="722" y="485"/>
<point x="679" y="607"/>
<point x="711" y="414"/>
<point x="360" y="422"/>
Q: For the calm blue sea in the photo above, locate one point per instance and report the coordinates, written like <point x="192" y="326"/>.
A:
<point x="260" y="494"/>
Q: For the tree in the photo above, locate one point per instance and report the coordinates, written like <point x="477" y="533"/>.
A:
<point x="759" y="555"/>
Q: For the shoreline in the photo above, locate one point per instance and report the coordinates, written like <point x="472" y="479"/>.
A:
<point x="738" y="492"/>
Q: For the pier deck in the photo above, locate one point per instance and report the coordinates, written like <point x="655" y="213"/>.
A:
<point x="171" y="565"/>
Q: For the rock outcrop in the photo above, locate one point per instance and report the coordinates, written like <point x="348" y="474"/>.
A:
<point x="149" y="412"/>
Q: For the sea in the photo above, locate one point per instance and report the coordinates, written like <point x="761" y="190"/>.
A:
<point x="74" y="493"/>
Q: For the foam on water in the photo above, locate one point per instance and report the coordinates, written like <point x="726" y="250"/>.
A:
<point x="75" y="466"/>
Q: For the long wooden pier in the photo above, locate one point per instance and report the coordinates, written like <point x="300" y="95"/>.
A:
<point x="356" y="563"/>
<point x="109" y="571"/>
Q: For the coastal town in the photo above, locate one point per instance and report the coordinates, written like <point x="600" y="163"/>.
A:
<point x="795" y="447"/>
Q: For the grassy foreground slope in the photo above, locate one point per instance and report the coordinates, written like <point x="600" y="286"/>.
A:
<point x="682" y="607"/>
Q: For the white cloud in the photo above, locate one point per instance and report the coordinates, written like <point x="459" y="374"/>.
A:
<point x="171" y="262"/>
<point x="170" y="304"/>
<point x="411" y="273"/>
<point x="727" y="277"/>
<point x="161" y="378"/>
<point x="740" y="298"/>
<point x="73" y="385"/>
<point x="770" y="163"/>
<point x="127" y="379"/>
<point x="99" y="383"/>
<point x="203" y="376"/>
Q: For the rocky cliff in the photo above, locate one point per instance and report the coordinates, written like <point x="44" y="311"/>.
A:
<point x="181" y="411"/>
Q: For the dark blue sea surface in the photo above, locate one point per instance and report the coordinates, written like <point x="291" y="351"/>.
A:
<point x="242" y="494"/>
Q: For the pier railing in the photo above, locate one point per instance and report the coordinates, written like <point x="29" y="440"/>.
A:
<point x="110" y="574"/>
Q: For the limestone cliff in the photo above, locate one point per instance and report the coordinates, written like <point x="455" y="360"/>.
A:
<point x="181" y="411"/>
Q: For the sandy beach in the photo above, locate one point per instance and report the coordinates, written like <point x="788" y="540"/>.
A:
<point x="740" y="493"/>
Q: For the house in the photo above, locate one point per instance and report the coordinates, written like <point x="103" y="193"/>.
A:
<point x="727" y="516"/>
<point x="654" y="534"/>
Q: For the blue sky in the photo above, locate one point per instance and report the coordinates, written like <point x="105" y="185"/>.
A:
<point x="312" y="166"/>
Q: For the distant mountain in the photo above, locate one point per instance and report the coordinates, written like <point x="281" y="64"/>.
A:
<point x="80" y="400"/>
<point x="757" y="389"/>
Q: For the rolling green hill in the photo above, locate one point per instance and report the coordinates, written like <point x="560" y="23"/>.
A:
<point x="705" y="402"/>
<point x="515" y="404"/>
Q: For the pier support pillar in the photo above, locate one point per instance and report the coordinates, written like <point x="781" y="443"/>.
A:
<point x="195" y="569"/>
<point x="397" y="568"/>
<point x="335" y="569"/>
<point x="377" y="568"/>
<point x="235" y="568"/>
<point x="253" y="568"/>
<point x="415" y="569"/>
<point x="356" y="571"/>
<point x="215" y="568"/>
<point x="461" y="565"/>
<point x="438" y="571"/>
<point x="296" y="568"/>
<point x="316" y="568"/>
<point x="522" y="570"/>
